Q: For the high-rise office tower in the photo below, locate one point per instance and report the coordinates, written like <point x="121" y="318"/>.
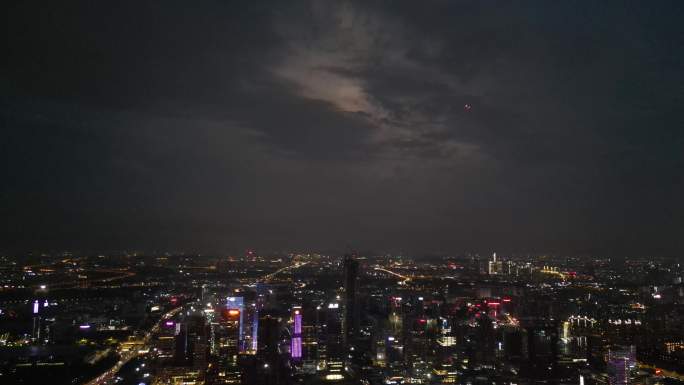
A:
<point x="541" y="347"/>
<point x="238" y="303"/>
<point x="35" y="330"/>
<point x="192" y="343"/>
<point x="200" y="346"/>
<point x="621" y="365"/>
<point x="296" y="342"/>
<point x="181" y="353"/>
<point x="485" y="337"/>
<point x="272" y="370"/>
<point x="228" y="337"/>
<point x="351" y="320"/>
<point x="310" y="343"/>
<point x="269" y="332"/>
<point x="331" y="350"/>
<point x="228" y="334"/>
<point x="495" y="266"/>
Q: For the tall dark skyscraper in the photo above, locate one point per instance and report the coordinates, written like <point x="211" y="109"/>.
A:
<point x="268" y="337"/>
<point x="181" y="353"/>
<point x="350" y="325"/>
<point x="271" y="369"/>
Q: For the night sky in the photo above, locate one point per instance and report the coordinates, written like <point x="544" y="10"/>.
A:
<point x="394" y="126"/>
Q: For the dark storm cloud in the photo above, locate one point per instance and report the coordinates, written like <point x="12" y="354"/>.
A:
<point x="324" y="124"/>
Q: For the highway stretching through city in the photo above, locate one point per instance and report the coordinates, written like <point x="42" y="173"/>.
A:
<point x="107" y="376"/>
<point x="270" y="276"/>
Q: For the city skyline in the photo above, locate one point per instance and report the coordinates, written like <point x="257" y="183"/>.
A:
<point x="314" y="319"/>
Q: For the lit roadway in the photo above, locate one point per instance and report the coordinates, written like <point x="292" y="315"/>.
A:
<point x="270" y="276"/>
<point x="405" y="278"/>
<point x="107" y="376"/>
<point x="119" y="274"/>
<point x="562" y="276"/>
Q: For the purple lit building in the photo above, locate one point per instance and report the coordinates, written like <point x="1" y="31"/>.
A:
<point x="621" y="365"/>
<point x="296" y="343"/>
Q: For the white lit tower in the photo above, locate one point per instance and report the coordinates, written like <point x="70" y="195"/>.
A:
<point x="495" y="266"/>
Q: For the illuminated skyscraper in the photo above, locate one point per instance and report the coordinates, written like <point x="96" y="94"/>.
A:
<point x="35" y="333"/>
<point x="238" y="303"/>
<point x="296" y="344"/>
<point x="228" y="334"/>
<point x="331" y="350"/>
<point x="495" y="267"/>
<point x="621" y="365"/>
<point x="228" y="339"/>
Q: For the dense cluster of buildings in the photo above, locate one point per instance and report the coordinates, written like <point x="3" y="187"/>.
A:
<point x="315" y="319"/>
